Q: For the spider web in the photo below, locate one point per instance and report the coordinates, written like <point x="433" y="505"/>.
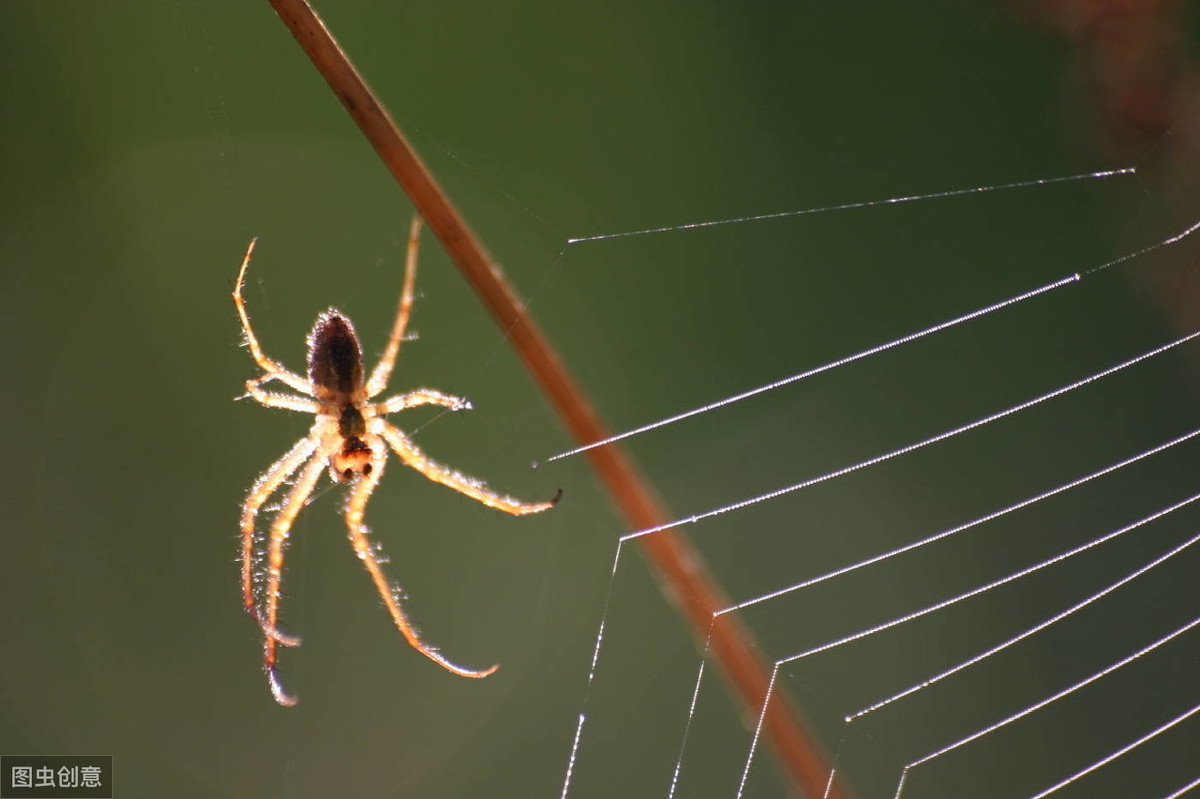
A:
<point x="1007" y="631"/>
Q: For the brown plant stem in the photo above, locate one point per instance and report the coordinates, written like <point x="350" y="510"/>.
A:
<point x="680" y="568"/>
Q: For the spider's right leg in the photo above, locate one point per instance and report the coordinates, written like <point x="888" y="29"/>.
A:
<point x="369" y="554"/>
<point x="414" y="458"/>
<point x="266" y="485"/>
<point x="422" y="396"/>
<point x="274" y="370"/>
<point x="383" y="370"/>
<point x="280" y="528"/>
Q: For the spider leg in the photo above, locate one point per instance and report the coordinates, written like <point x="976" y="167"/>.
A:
<point x="383" y="370"/>
<point x="408" y="452"/>
<point x="368" y="553"/>
<point x="280" y="528"/>
<point x="422" y="396"/>
<point x="266" y="485"/>
<point x="269" y="366"/>
<point x="286" y="401"/>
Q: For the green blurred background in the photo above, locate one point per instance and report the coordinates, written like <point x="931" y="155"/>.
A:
<point x="146" y="143"/>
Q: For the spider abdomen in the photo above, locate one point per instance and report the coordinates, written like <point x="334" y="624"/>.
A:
<point x="335" y="361"/>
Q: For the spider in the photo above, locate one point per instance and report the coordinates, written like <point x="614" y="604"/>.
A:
<point x="351" y="436"/>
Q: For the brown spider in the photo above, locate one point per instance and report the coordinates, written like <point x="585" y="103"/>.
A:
<point x="352" y="436"/>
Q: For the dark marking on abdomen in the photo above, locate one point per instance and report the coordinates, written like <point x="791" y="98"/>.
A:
<point x="335" y="360"/>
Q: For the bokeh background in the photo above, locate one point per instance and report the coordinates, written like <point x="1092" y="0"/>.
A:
<point x="145" y="143"/>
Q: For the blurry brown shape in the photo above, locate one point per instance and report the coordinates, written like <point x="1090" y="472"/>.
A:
<point x="1129" y="56"/>
<point x="1133" y="91"/>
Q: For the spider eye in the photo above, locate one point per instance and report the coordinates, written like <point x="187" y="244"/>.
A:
<point x="366" y="469"/>
<point x="347" y="474"/>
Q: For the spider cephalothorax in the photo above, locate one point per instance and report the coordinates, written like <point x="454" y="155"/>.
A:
<point x="352" y="436"/>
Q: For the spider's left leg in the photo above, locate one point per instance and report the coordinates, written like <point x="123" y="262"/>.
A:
<point x="383" y="370"/>
<point x="280" y="528"/>
<point x="368" y="553"/>
<point x="273" y="369"/>
<point x="412" y="456"/>
<point x="270" y="399"/>
<point x="266" y="485"/>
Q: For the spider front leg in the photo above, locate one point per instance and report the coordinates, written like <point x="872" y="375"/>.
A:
<point x="413" y="457"/>
<point x="383" y="370"/>
<point x="280" y="528"/>
<point x="356" y="507"/>
<point x="273" y="369"/>
<point x="264" y="487"/>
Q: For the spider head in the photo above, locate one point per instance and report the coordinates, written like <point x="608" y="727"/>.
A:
<point x="353" y="461"/>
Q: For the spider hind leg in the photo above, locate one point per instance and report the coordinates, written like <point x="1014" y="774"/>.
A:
<point x="274" y="370"/>
<point x="383" y="370"/>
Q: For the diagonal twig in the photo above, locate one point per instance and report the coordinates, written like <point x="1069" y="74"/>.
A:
<point x="679" y="567"/>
